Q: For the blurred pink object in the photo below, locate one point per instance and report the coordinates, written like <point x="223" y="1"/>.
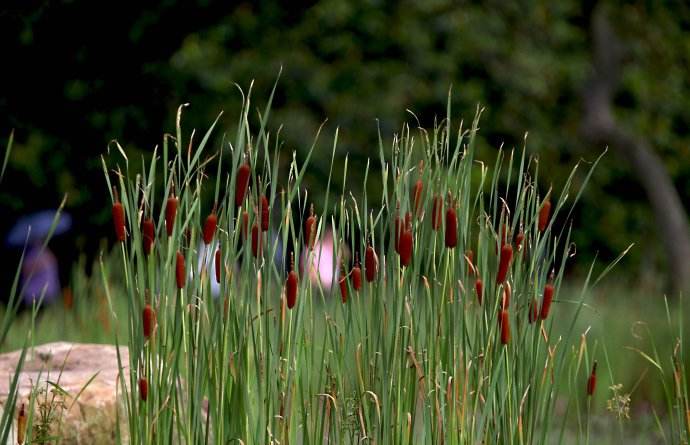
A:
<point x="323" y="261"/>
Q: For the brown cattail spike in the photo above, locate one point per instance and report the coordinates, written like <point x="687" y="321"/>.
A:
<point x="310" y="229"/>
<point x="547" y="299"/>
<point x="371" y="264"/>
<point x="210" y="226"/>
<point x="149" y="320"/>
<point x="143" y="389"/>
<point x="170" y="212"/>
<point x="406" y="242"/>
<point x="242" y="183"/>
<point x="219" y="264"/>
<point x="504" y="263"/>
<point x="245" y="224"/>
<point x="180" y="272"/>
<point x="437" y="213"/>
<point x="504" y="321"/>
<point x="356" y="274"/>
<point x="148" y="230"/>
<point x="265" y="215"/>
<point x="479" y="288"/>
<point x="505" y="301"/>
<point x="592" y="380"/>
<point x="418" y="196"/>
<point x="256" y="240"/>
<point x="544" y="213"/>
<point x="291" y="285"/>
<point x="451" y="238"/>
<point x="119" y="218"/>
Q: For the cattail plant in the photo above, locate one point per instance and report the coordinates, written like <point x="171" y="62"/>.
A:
<point x="180" y="272"/>
<point x="592" y="380"/>
<point x="265" y="215"/>
<point x="148" y="229"/>
<point x="143" y="389"/>
<point x="170" y="212"/>
<point x="417" y="192"/>
<point x="356" y="274"/>
<point x="210" y="226"/>
<point x="219" y="264"/>
<point x="148" y="320"/>
<point x="544" y="213"/>
<point x="479" y="288"/>
<point x="256" y="240"/>
<point x="245" y="224"/>
<point x="406" y="242"/>
<point x="119" y="218"/>
<point x="547" y="298"/>
<point x="310" y="229"/>
<point x="504" y="263"/>
<point x="505" y="300"/>
<point x="451" y="238"/>
<point x="291" y="285"/>
<point x="371" y="264"/>
<point x="412" y="359"/>
<point x="519" y="239"/>
<point x="504" y="322"/>
<point x="242" y="182"/>
<point x="437" y="213"/>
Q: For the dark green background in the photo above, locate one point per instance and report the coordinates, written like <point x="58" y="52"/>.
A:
<point x="77" y="74"/>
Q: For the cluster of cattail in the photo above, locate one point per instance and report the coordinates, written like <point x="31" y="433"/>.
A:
<point x="443" y="214"/>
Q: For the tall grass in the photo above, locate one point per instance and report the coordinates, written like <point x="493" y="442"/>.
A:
<point x="411" y="357"/>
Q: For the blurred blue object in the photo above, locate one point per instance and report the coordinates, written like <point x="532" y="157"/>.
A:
<point x="40" y="223"/>
<point x="40" y="276"/>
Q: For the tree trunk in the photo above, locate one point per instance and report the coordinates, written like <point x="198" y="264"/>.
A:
<point x="601" y="126"/>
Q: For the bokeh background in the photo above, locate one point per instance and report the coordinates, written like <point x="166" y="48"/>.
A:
<point x="578" y="76"/>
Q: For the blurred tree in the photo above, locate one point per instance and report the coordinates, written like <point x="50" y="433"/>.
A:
<point x="600" y="125"/>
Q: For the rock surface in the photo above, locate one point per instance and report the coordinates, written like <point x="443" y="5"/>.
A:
<point x="91" y="419"/>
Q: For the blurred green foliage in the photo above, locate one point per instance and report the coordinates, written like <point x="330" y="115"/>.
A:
<point x="361" y="65"/>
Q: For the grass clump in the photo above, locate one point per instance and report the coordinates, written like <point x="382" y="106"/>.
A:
<point x="440" y="344"/>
